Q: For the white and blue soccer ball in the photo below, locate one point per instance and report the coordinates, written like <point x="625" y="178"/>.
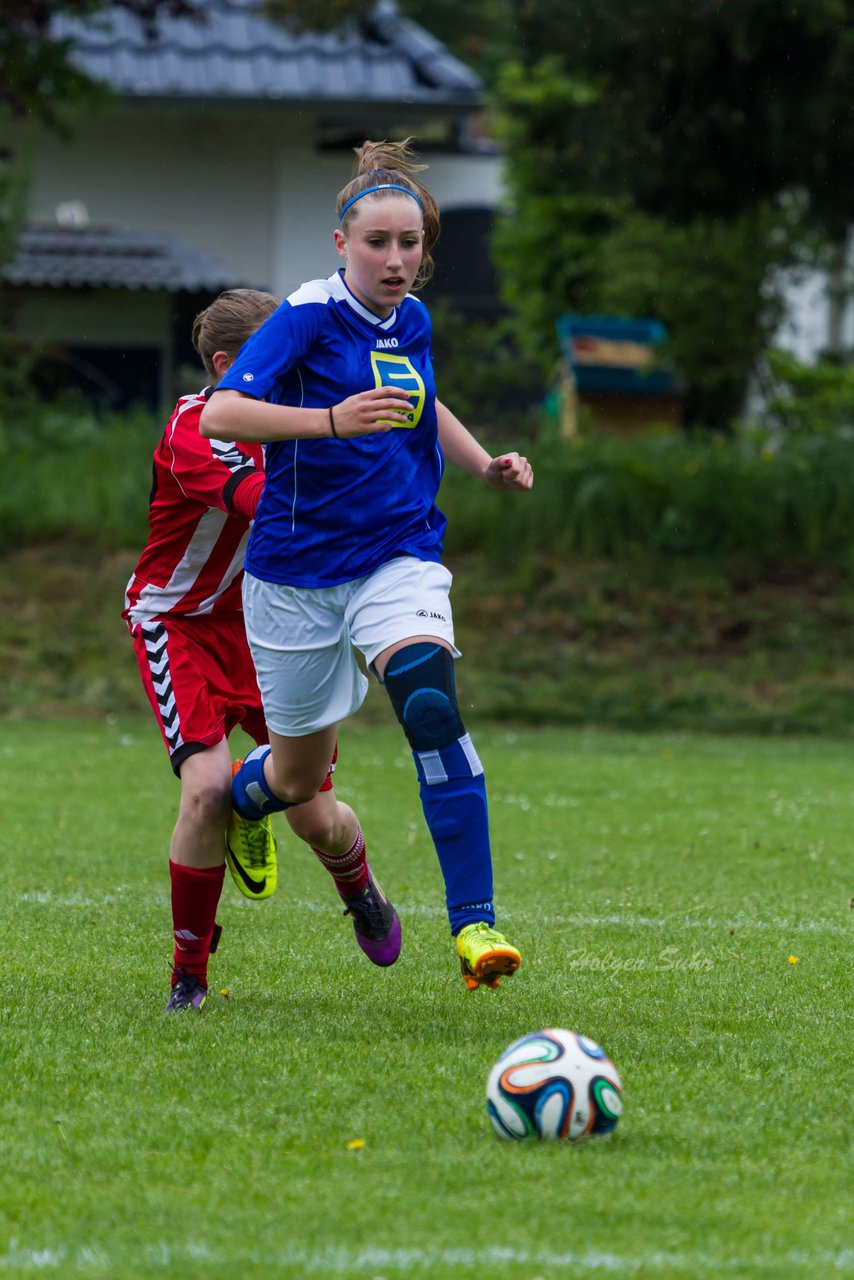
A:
<point x="554" y="1084"/>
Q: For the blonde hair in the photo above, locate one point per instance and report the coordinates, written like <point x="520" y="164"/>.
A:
<point x="229" y="321"/>
<point x="392" y="163"/>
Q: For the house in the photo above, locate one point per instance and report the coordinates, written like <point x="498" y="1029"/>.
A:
<point x="225" y="141"/>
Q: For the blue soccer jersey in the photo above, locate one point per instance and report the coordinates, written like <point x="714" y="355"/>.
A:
<point x="333" y="510"/>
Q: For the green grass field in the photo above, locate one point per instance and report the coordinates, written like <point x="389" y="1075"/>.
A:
<point x="683" y="900"/>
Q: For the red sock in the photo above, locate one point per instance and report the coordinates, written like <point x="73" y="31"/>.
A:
<point x="349" y="870"/>
<point x="195" y="898"/>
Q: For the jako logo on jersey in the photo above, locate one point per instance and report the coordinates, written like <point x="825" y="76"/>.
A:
<point x="249" y="377"/>
<point x="384" y="344"/>
<point x="424" y="613"/>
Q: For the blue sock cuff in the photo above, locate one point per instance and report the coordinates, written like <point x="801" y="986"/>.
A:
<point x="470" y="913"/>
<point x="250" y="795"/>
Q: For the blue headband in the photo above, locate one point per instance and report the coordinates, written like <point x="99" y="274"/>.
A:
<point x="384" y="186"/>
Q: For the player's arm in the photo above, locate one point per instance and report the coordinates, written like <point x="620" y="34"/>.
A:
<point x="244" y="496"/>
<point x="233" y="415"/>
<point x="214" y="472"/>
<point x="506" y="471"/>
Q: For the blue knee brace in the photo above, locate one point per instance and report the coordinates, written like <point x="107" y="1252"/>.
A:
<point x="420" y="683"/>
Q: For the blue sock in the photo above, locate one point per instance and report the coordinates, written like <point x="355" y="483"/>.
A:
<point x="453" y="796"/>
<point x="250" y="795"/>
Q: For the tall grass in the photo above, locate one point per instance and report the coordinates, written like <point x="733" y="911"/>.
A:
<point x="71" y="475"/>
<point x="770" y="501"/>
<point x="658" y="496"/>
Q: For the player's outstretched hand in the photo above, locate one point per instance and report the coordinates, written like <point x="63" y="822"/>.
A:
<point x="509" y="471"/>
<point x="377" y="410"/>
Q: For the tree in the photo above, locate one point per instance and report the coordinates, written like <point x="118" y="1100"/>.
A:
<point x="660" y="160"/>
<point x="705" y="107"/>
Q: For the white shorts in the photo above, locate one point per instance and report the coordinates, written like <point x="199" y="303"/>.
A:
<point x="302" y="638"/>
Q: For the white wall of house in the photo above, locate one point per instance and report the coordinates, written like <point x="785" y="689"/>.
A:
<point x="248" y="188"/>
<point x="460" y="181"/>
<point x="202" y="177"/>
<point x="306" y="184"/>
<point x="306" y="189"/>
<point x="805" y="331"/>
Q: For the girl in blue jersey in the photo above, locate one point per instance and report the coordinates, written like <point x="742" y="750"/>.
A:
<point x="346" y="546"/>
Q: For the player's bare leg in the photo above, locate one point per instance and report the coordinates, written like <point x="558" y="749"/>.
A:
<point x="197" y="867"/>
<point x="204" y="809"/>
<point x="333" y="831"/>
<point x="288" y="776"/>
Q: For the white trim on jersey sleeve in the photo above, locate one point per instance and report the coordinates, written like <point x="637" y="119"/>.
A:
<point x="225" y="451"/>
<point x="187" y="401"/>
<point x="320" y="291"/>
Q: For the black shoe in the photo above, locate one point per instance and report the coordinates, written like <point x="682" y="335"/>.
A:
<point x="375" y="922"/>
<point x="187" y="993"/>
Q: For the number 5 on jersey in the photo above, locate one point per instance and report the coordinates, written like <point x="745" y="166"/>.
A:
<point x="398" y="371"/>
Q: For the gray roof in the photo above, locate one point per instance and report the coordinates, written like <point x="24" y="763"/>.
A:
<point x="235" y="53"/>
<point x="98" y="257"/>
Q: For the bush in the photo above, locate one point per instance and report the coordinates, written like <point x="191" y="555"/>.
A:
<point x="764" y="499"/>
<point x="75" y="476"/>
<point x="712" y="497"/>
<point x="482" y="375"/>
<point x="809" y="399"/>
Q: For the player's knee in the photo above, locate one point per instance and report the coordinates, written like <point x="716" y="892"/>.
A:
<point x="420" y="683"/>
<point x="315" y="828"/>
<point x="431" y="720"/>
<point x="207" y="801"/>
<point x="296" y="784"/>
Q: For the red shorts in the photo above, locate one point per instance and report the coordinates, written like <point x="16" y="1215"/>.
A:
<point x="200" y="681"/>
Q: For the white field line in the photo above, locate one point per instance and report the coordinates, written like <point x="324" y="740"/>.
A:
<point x="616" y="919"/>
<point x="379" y="1264"/>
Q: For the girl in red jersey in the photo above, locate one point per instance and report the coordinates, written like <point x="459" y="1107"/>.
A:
<point x="183" y="607"/>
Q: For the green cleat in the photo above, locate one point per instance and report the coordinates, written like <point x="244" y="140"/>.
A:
<point x="485" y="955"/>
<point x="250" y="851"/>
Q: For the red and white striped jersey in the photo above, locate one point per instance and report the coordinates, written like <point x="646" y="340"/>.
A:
<point x="203" y="499"/>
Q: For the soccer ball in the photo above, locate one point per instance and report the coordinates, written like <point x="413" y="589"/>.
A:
<point x="553" y="1084"/>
